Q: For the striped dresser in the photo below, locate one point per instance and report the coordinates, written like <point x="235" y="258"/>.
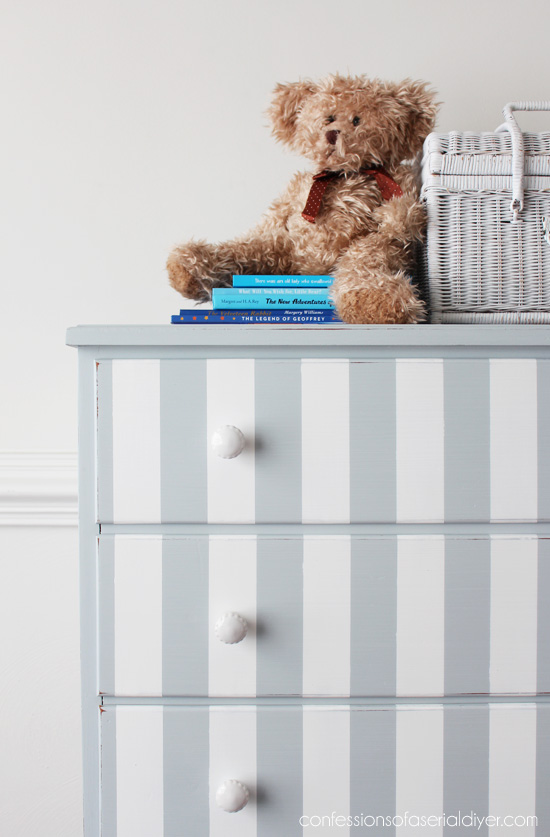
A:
<point x="315" y="580"/>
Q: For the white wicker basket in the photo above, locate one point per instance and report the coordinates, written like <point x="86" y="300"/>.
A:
<point x="488" y="242"/>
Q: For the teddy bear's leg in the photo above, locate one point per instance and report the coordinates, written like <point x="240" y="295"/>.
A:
<point x="197" y="267"/>
<point x="372" y="286"/>
<point x="378" y="298"/>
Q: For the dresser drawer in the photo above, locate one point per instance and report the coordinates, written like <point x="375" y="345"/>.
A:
<point x="325" y="441"/>
<point x="325" y="615"/>
<point x="304" y="766"/>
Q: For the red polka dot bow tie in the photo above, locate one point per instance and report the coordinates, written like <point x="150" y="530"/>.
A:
<point x="388" y="189"/>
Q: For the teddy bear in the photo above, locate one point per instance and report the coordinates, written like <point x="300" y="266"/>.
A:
<point x="356" y="217"/>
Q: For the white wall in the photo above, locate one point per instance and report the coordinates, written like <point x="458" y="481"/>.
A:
<point x="128" y="125"/>
<point x="40" y="753"/>
<point x="124" y="120"/>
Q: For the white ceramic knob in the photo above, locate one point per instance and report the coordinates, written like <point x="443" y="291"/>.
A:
<point x="232" y="796"/>
<point x="231" y="628"/>
<point x="227" y="441"/>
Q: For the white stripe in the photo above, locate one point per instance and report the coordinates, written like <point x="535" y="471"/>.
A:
<point x="230" y="401"/>
<point x="419" y="765"/>
<point x="420" y="440"/>
<point x="513" y="439"/>
<point x="139" y="771"/>
<point x="514" y="570"/>
<point x="138" y="615"/>
<point x="325" y="441"/>
<point x="326" y="767"/>
<point x="420" y="615"/>
<point x="326" y="615"/>
<point x="512" y="764"/>
<point x="136" y="441"/>
<point x="233" y="756"/>
<point x="232" y="588"/>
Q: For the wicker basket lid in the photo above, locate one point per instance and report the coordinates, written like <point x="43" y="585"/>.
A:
<point x="468" y="154"/>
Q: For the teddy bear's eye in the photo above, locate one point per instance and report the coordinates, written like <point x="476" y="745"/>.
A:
<point x="331" y="119"/>
<point x="355" y="121"/>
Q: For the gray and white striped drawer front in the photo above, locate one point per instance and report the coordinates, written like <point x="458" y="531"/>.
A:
<point x="379" y="769"/>
<point x="314" y="615"/>
<point x="325" y="440"/>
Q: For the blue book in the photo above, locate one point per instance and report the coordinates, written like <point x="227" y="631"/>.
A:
<point x="271" y="298"/>
<point x="265" y="280"/>
<point x="256" y="315"/>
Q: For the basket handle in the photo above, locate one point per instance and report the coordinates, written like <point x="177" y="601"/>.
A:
<point x="518" y="151"/>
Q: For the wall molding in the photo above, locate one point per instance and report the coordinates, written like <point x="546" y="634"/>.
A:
<point x="38" y="488"/>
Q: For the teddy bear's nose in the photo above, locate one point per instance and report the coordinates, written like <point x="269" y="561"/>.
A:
<point x="332" y="136"/>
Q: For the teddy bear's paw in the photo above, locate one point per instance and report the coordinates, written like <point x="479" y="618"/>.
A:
<point x="402" y="219"/>
<point x="390" y="300"/>
<point x="181" y="268"/>
<point x="186" y="284"/>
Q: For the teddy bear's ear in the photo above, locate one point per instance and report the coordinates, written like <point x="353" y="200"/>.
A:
<point x="288" y="100"/>
<point x="420" y="109"/>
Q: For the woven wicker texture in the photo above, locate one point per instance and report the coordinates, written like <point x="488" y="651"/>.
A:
<point x="488" y="242"/>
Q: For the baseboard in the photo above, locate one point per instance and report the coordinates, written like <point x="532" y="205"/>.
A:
<point x="38" y="488"/>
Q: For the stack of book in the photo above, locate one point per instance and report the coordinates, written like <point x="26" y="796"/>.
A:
<point x="267" y="299"/>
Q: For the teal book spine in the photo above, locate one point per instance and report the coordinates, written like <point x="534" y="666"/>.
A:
<point x="265" y="280"/>
<point x="271" y="298"/>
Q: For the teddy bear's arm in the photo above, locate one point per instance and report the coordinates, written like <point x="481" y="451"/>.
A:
<point x="194" y="268"/>
<point x="401" y="220"/>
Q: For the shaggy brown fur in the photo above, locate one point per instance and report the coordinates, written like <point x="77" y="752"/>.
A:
<point x="366" y="243"/>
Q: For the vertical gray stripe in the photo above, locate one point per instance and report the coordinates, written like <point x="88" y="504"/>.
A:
<point x="372" y="441"/>
<point x="106" y="614"/>
<point x="183" y="441"/>
<point x="467" y="444"/>
<point x="88" y="588"/>
<point x="279" y="616"/>
<point x="186" y="771"/>
<point x="279" y="770"/>
<point x="185" y="616"/>
<point x="543" y="629"/>
<point x="105" y="441"/>
<point x="108" y="772"/>
<point x="466" y="766"/>
<point x="543" y="769"/>
<point x="373" y="767"/>
<point x="373" y="616"/>
<point x="543" y="419"/>
<point x="467" y="615"/>
<point x="278" y="419"/>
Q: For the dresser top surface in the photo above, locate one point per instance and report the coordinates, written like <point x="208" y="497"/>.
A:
<point x="333" y="334"/>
